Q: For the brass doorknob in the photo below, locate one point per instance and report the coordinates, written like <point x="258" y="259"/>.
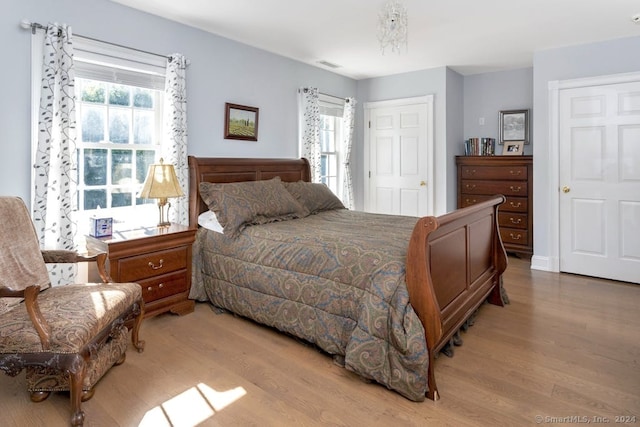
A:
<point x="566" y="189"/>
<point x="423" y="183"/>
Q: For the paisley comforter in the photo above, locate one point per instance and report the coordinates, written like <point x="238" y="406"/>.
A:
<point x="335" y="279"/>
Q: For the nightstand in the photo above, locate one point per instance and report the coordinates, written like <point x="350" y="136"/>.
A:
<point x="158" y="258"/>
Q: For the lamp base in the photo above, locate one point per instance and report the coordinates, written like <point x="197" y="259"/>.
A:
<point x="164" y="216"/>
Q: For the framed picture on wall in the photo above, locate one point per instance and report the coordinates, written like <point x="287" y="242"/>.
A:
<point x="241" y="122"/>
<point x="514" y="126"/>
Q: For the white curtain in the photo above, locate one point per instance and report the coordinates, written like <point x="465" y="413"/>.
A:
<point x="347" y="142"/>
<point x="55" y="177"/>
<point x="174" y="144"/>
<point x="310" y="130"/>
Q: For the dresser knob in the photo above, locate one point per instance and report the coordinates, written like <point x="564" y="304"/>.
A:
<point x="149" y="288"/>
<point x="161" y="285"/>
<point x="156" y="267"/>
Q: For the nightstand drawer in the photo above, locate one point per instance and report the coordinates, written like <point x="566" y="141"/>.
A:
<point x="515" y="204"/>
<point x="135" y="268"/>
<point x="495" y="172"/>
<point x="164" y="286"/>
<point x="508" y="188"/>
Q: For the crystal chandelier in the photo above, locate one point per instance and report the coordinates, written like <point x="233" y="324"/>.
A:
<point x="392" y="26"/>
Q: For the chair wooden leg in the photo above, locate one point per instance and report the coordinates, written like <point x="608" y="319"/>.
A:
<point x="39" y="396"/>
<point x="76" y="379"/>
<point x="137" y="343"/>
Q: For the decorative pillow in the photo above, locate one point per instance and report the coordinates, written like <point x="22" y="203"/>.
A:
<point x="314" y="197"/>
<point x="239" y="204"/>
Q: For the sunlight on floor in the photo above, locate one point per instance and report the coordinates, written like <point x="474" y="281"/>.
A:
<point x="191" y="407"/>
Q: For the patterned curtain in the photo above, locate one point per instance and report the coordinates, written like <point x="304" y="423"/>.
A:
<point x="310" y="130"/>
<point x="55" y="181"/>
<point x="347" y="120"/>
<point x="174" y="144"/>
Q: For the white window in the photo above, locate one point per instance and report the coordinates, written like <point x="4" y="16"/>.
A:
<point x="331" y="131"/>
<point x="119" y="95"/>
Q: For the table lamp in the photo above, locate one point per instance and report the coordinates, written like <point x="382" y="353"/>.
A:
<point x="161" y="183"/>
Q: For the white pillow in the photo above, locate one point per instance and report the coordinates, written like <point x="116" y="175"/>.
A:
<point x="209" y="221"/>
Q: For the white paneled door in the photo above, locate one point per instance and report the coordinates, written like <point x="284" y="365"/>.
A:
<point x="599" y="176"/>
<point x="398" y="178"/>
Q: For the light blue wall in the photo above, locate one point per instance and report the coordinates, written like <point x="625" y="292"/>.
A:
<point x="221" y="71"/>
<point x="596" y="59"/>
<point x="455" y="134"/>
<point x="485" y="95"/>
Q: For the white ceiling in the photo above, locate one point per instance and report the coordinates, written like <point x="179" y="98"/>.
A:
<point x="470" y="36"/>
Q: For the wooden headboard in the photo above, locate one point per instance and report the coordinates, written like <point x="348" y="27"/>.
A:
<point x="225" y="170"/>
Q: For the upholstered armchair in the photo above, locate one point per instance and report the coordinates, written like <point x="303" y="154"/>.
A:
<point x="66" y="337"/>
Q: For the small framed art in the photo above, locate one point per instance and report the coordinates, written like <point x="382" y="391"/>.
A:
<point x="513" y="148"/>
<point x="241" y="122"/>
<point x="514" y="126"/>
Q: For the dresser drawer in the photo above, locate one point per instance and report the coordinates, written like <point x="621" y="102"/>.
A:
<point x="144" y="266"/>
<point x="164" y="286"/>
<point x="515" y="204"/>
<point x="513" y="220"/>
<point x="514" y="236"/>
<point x="494" y="172"/>
<point x="507" y="188"/>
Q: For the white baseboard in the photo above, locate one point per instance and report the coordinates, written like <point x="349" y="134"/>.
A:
<point x="544" y="263"/>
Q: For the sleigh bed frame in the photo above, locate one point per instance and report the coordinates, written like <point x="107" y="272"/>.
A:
<point x="454" y="262"/>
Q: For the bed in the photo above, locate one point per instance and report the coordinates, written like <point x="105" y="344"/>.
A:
<point x="383" y="294"/>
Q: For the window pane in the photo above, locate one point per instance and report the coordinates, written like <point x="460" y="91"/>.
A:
<point x="121" y="164"/>
<point x="93" y="91"/>
<point x="142" y="98"/>
<point x="120" y="198"/>
<point x="143" y="126"/>
<point x="95" y="168"/>
<point x="144" y="159"/>
<point x="93" y="123"/>
<point x="119" y="126"/>
<point x="94" y="199"/>
<point x="120" y="95"/>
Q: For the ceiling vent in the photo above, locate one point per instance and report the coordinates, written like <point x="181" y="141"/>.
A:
<point x="328" y="64"/>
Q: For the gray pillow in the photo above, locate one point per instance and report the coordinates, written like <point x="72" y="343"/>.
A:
<point x="240" y="204"/>
<point x="313" y="196"/>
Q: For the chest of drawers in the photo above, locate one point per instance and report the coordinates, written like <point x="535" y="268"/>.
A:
<point x="481" y="177"/>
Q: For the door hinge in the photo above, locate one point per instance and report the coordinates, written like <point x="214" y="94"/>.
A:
<point x="369" y="124"/>
<point x="369" y="174"/>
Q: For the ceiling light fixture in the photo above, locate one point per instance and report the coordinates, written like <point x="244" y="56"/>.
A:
<point x="393" y="26"/>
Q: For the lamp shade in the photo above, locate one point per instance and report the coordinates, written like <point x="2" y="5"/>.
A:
<point x="161" y="182"/>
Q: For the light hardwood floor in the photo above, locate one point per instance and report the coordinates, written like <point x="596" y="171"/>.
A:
<point x="566" y="346"/>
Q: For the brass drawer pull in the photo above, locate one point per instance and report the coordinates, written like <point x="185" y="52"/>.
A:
<point x="149" y="288"/>
<point x="515" y="172"/>
<point x="470" y="186"/>
<point x="470" y="201"/>
<point x="515" y="221"/>
<point x="515" y="205"/>
<point x="156" y="267"/>
<point x="516" y="237"/>
<point x="471" y="171"/>
<point x="515" y="189"/>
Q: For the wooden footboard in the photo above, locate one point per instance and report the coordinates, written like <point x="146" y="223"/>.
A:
<point x="454" y="263"/>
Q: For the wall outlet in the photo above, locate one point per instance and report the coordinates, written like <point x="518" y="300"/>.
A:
<point x="481" y="121"/>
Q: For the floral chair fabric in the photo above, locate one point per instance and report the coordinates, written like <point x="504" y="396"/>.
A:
<point x="66" y="337"/>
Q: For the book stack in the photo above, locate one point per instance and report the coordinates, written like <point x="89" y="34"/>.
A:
<point x="480" y="147"/>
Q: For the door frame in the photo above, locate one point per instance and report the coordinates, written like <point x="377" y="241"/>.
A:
<point x="430" y="132"/>
<point x="554" y="88"/>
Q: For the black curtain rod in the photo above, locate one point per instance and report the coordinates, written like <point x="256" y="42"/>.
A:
<point x="36" y="26"/>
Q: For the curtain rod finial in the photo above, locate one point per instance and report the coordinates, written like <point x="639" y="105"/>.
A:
<point x="25" y="23"/>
